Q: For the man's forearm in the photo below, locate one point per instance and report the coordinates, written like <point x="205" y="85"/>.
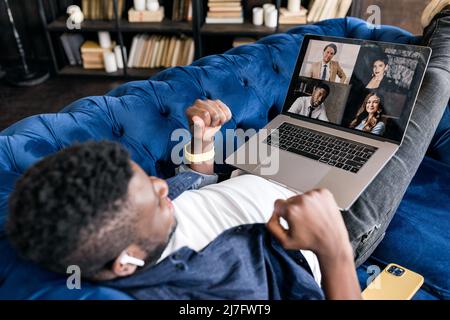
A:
<point x="339" y="280"/>
<point x="198" y="147"/>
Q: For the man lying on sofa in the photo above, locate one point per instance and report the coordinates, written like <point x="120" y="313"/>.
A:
<point x="90" y="205"/>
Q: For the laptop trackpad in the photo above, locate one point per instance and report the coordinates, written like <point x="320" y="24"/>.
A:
<point x="294" y="171"/>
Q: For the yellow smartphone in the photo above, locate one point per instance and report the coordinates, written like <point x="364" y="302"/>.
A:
<point x="393" y="283"/>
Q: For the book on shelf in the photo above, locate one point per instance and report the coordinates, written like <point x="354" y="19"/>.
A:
<point x="101" y="9"/>
<point x="153" y="53"/>
<point x="224" y="11"/>
<point x="92" y="54"/>
<point x="224" y="4"/>
<point x="328" y="9"/>
<point x="224" y="20"/>
<point x="343" y="8"/>
<point x="289" y="17"/>
<point x="176" y="53"/>
<point x="158" y="51"/>
<point x="182" y="10"/>
<point x="231" y="14"/>
<point x="71" y="43"/>
<point x="146" y="16"/>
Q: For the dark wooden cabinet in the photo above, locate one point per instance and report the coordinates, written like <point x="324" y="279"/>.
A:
<point x="401" y="13"/>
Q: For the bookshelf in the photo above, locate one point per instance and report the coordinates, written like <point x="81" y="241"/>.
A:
<point x="215" y="38"/>
<point x="122" y="32"/>
<point x="208" y="38"/>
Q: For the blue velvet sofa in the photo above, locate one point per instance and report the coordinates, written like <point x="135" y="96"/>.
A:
<point x="253" y="81"/>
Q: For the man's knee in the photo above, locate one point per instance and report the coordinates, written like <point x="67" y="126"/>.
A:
<point x="365" y="243"/>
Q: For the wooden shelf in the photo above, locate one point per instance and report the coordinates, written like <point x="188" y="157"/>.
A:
<point x="80" y="71"/>
<point x="245" y="28"/>
<point x="165" y="26"/>
<point x="131" y="72"/>
<point x="60" y="25"/>
<point x="242" y="29"/>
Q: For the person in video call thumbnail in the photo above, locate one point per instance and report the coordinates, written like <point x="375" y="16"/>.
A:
<point x="313" y="106"/>
<point x="380" y="67"/>
<point x="327" y="69"/>
<point x="368" y="118"/>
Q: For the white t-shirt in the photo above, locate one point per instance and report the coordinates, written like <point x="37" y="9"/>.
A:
<point x="204" y="214"/>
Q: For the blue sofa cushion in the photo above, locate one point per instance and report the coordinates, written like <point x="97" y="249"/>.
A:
<point x="141" y="115"/>
<point x="418" y="237"/>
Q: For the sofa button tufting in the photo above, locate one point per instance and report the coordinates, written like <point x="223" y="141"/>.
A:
<point x="119" y="132"/>
<point x="245" y="82"/>
<point x="275" y="68"/>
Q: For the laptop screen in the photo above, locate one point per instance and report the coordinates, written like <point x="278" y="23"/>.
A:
<point x="365" y="87"/>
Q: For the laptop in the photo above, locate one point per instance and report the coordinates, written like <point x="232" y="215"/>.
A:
<point x="345" y="115"/>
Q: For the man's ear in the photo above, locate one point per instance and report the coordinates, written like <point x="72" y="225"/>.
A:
<point x="127" y="269"/>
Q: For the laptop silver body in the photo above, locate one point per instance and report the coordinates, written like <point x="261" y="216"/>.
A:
<point x="300" y="173"/>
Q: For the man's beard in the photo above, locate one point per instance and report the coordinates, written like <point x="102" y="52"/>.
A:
<point x="154" y="253"/>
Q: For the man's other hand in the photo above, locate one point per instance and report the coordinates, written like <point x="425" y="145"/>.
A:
<point x="315" y="223"/>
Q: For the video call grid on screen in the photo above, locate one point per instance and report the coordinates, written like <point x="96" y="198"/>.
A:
<point x="366" y="87"/>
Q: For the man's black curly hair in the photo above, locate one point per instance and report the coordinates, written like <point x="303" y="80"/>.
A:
<point x="70" y="208"/>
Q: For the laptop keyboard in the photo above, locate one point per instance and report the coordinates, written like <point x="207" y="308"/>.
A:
<point x="334" y="151"/>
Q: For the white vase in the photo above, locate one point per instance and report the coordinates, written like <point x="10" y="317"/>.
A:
<point x="258" y="16"/>
<point x="270" y="19"/>
<point x="104" y="39"/>
<point x="294" y="5"/>
<point x="152" y="5"/>
<point x="109" y="59"/>
<point x="139" y="5"/>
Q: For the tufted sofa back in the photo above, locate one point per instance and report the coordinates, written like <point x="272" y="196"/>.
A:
<point x="141" y="115"/>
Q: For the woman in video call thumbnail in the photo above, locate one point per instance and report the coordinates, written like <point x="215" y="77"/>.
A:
<point x="368" y="118"/>
<point x="379" y="80"/>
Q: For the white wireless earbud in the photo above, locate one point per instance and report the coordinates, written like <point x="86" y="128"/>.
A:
<point x="126" y="259"/>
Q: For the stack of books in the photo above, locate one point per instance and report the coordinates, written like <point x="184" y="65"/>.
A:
<point x="328" y="9"/>
<point x="157" y="51"/>
<point x="289" y="17"/>
<point x="224" y="11"/>
<point x="146" y="16"/>
<point x="182" y="10"/>
<point x="101" y="9"/>
<point x="92" y="55"/>
<point x="71" y="43"/>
